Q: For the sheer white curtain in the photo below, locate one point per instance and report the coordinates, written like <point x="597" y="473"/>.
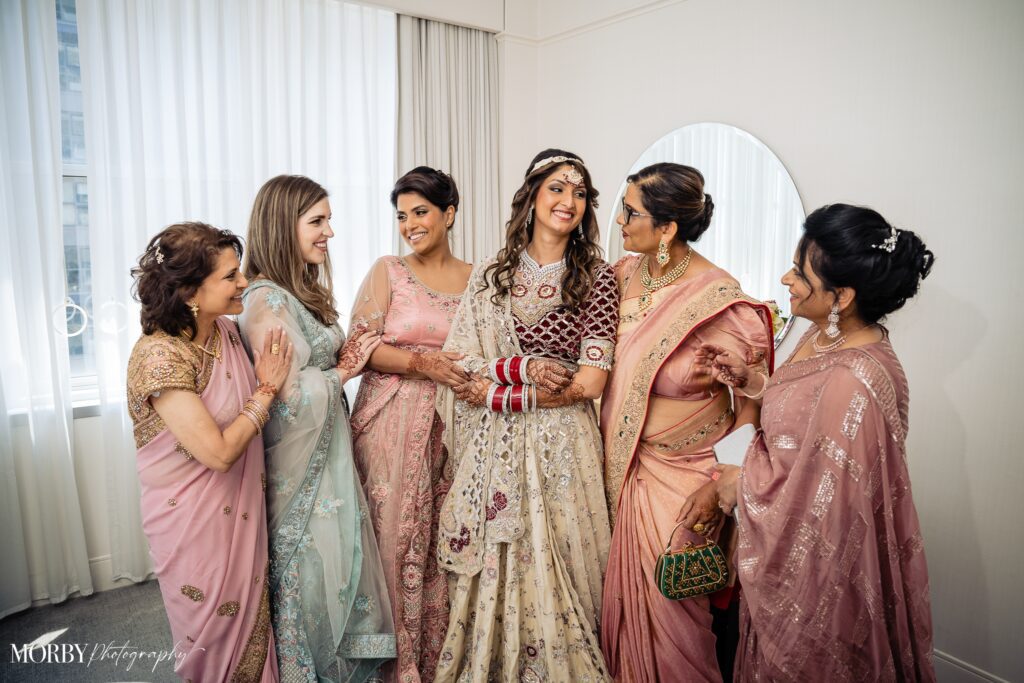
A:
<point x="448" y="119"/>
<point x="189" y="108"/>
<point x="42" y="537"/>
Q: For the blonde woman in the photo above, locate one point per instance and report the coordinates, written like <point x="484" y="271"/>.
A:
<point x="331" y="614"/>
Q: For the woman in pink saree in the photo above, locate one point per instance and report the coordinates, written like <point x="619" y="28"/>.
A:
<point x="661" y="414"/>
<point x="396" y="432"/>
<point x="831" y="559"/>
<point x="196" y="408"/>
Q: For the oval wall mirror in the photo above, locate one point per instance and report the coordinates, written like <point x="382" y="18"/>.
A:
<point x="758" y="213"/>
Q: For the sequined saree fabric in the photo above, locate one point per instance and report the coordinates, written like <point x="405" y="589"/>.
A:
<point x="207" y="530"/>
<point x="835" y="584"/>
<point x="400" y="458"/>
<point x="524" y="530"/>
<point x="661" y="416"/>
<point x="331" y="613"/>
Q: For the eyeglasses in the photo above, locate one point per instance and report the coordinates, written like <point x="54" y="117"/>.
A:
<point x="629" y="213"/>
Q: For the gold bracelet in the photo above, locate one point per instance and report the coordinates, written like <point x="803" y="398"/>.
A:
<point x="258" y="408"/>
<point x="252" y="418"/>
<point x="258" y="411"/>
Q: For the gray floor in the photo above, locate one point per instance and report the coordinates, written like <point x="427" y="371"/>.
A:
<point x="118" y="630"/>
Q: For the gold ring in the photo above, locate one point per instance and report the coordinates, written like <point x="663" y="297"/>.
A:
<point x="698" y="528"/>
<point x="275" y="348"/>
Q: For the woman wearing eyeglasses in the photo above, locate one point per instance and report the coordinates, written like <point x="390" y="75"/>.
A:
<point x="660" y="416"/>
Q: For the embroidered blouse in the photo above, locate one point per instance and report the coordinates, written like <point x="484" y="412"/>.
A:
<point x="159" y="362"/>
<point x="585" y="336"/>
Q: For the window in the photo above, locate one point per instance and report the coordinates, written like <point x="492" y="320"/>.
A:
<point x="79" y="310"/>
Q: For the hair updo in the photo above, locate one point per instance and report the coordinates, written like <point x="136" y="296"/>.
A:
<point x="673" y="192"/>
<point x="436" y="186"/>
<point x="172" y="269"/>
<point x="847" y="247"/>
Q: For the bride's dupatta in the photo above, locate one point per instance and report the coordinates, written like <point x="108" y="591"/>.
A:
<point x="523" y="531"/>
<point x="207" y="530"/>
<point x="666" y="328"/>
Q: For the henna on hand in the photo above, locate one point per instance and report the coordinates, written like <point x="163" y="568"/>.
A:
<point x="548" y="375"/>
<point x="574" y="393"/>
<point x="726" y="376"/>
<point x="473" y="392"/>
<point x="351" y="355"/>
<point x="429" y="363"/>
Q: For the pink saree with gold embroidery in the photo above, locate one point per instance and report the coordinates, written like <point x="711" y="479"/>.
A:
<point x="660" y="417"/>
<point x="207" y="530"/>
<point x="835" y="585"/>
<point x="396" y="433"/>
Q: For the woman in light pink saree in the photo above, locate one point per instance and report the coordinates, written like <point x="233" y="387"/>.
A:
<point x="660" y="417"/>
<point x="395" y="430"/>
<point x="831" y="559"/>
<point x="196" y="408"/>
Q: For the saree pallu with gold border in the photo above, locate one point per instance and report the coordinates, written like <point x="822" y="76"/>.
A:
<point x="524" y="530"/>
<point x="207" y="530"/>
<point x="661" y="416"/>
<point x="831" y="558"/>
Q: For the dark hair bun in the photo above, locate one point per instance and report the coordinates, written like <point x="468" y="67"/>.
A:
<point x="673" y="192"/>
<point x="854" y="246"/>
<point x="434" y="185"/>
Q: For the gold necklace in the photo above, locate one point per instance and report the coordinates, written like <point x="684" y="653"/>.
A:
<point x="214" y="341"/>
<point x="651" y="285"/>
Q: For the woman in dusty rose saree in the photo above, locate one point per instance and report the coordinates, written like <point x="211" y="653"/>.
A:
<point x="196" y="408"/>
<point x="395" y="430"/>
<point x="831" y="559"/>
<point x="660" y="417"/>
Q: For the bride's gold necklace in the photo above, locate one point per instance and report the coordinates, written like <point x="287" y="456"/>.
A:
<point x="653" y="284"/>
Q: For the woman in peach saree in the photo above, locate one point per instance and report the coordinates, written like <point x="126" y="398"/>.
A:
<point x="661" y="415"/>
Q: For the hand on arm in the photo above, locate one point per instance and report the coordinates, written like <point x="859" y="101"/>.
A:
<point x="190" y="422"/>
<point x="356" y="352"/>
<point x="438" y="366"/>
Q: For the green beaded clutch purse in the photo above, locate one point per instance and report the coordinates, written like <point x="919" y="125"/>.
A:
<point x="691" y="571"/>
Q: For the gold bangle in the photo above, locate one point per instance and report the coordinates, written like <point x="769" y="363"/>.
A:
<point x="258" y="408"/>
<point x="252" y="418"/>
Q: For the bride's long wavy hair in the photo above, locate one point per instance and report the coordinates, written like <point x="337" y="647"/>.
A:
<point x="582" y="254"/>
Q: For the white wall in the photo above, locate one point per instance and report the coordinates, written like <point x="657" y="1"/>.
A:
<point x="912" y="107"/>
